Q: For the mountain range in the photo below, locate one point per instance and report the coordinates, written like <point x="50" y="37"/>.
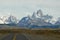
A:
<point x="8" y="20"/>
<point x="39" y="20"/>
<point x="36" y="20"/>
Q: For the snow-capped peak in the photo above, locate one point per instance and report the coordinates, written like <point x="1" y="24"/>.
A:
<point x="11" y="19"/>
<point x="37" y="14"/>
<point x="8" y="19"/>
<point x="36" y="19"/>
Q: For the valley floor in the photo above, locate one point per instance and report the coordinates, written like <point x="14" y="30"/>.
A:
<point x="23" y="34"/>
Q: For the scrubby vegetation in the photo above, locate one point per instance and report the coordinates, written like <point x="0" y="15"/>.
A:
<point x="30" y="31"/>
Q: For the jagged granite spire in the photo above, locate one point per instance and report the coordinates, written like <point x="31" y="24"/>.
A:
<point x="39" y="13"/>
<point x="11" y="20"/>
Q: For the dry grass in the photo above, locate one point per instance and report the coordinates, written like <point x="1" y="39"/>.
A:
<point x="34" y="34"/>
<point x="30" y="31"/>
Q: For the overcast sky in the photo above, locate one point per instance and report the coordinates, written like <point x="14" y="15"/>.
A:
<point x="21" y="8"/>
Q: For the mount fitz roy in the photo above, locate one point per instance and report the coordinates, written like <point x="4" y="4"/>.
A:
<point x="36" y="20"/>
